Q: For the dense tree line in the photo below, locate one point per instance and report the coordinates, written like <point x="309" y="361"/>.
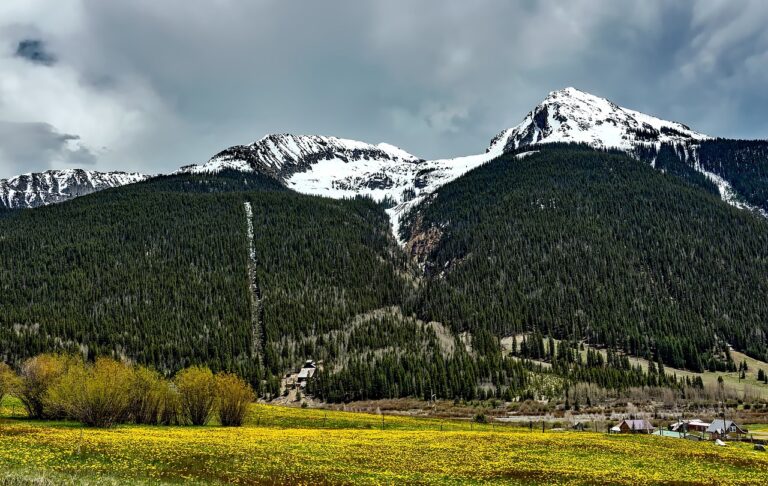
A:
<point x="743" y="163"/>
<point x="606" y="368"/>
<point x="394" y="356"/>
<point x="677" y="161"/>
<point x="320" y="263"/>
<point x="156" y="275"/>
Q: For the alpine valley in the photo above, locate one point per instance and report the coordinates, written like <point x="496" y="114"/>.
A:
<point x="610" y="232"/>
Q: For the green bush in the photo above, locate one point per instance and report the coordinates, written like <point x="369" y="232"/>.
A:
<point x="480" y="418"/>
<point x="9" y="382"/>
<point x="234" y="396"/>
<point x="147" y="396"/>
<point x="38" y="374"/>
<point x="98" y="394"/>
<point x="197" y="390"/>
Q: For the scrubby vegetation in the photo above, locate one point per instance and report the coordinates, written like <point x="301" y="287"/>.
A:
<point x="108" y="392"/>
<point x="96" y="394"/>
<point x="9" y="382"/>
<point x="197" y="389"/>
<point x="235" y="397"/>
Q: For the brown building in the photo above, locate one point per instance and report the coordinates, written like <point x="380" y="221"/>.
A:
<point x="635" y="427"/>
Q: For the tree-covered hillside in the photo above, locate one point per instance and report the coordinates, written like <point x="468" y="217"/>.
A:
<point x="319" y="263"/>
<point x="235" y="271"/>
<point x="575" y="243"/>
<point x="158" y="272"/>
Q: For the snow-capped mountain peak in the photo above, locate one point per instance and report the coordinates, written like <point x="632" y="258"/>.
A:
<point x="283" y="155"/>
<point x="339" y="168"/>
<point x="53" y="186"/>
<point x="572" y="115"/>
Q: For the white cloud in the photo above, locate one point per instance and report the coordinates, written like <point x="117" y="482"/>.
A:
<point x="110" y="120"/>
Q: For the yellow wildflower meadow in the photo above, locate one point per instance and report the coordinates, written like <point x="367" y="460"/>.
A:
<point x="294" y="446"/>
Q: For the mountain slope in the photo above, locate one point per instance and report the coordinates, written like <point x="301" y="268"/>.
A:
<point x="54" y="186"/>
<point x="158" y="272"/>
<point x="239" y="264"/>
<point x="342" y="168"/>
<point x="581" y="244"/>
<point x="734" y="169"/>
<point x="282" y="155"/>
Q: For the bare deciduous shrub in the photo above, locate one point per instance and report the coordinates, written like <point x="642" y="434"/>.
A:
<point x="38" y="374"/>
<point x="197" y="389"/>
<point x="98" y="394"/>
<point x="234" y="396"/>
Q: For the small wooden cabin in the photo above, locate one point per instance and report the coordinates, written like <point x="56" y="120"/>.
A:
<point x="639" y="426"/>
<point x="306" y="372"/>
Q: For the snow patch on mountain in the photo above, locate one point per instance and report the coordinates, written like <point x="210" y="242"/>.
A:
<point x="434" y="174"/>
<point x="341" y="168"/>
<point x="53" y="186"/>
<point x="282" y="155"/>
<point x="727" y="193"/>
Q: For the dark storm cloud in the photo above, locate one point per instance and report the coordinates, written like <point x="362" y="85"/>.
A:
<point x="30" y="147"/>
<point x="34" y="50"/>
<point x="436" y="77"/>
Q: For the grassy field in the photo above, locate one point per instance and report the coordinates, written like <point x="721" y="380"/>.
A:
<point x="306" y="446"/>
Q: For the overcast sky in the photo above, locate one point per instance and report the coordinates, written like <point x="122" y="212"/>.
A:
<point x="150" y="85"/>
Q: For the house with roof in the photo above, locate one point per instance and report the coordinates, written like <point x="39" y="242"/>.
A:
<point x="306" y="372"/>
<point x="688" y="426"/>
<point x="637" y="426"/>
<point x="721" y="428"/>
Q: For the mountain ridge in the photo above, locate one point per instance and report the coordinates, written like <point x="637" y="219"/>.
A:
<point x="343" y="168"/>
<point x="53" y="186"/>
